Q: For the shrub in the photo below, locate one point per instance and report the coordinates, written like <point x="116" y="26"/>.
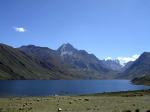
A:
<point x="137" y="110"/>
<point x="126" y="111"/>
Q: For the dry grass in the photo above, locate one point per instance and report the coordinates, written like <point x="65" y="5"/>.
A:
<point x="93" y="103"/>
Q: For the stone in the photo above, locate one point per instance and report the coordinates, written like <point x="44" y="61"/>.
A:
<point x="59" y="109"/>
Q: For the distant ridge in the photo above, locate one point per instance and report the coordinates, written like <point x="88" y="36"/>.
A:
<point x="67" y="62"/>
<point x="78" y="63"/>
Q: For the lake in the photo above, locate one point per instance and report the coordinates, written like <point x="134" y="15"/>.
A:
<point x="64" y="87"/>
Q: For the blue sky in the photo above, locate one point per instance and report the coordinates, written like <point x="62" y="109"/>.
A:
<point x="114" y="28"/>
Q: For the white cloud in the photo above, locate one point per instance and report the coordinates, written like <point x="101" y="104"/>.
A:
<point x="108" y="58"/>
<point x="124" y="60"/>
<point x="19" y="29"/>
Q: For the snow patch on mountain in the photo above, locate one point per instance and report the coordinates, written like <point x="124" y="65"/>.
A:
<point x="124" y="60"/>
<point x="66" y="53"/>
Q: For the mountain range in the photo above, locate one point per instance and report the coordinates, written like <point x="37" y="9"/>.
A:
<point x="67" y="62"/>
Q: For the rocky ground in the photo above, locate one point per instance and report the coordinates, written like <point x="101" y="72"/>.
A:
<point x="108" y="102"/>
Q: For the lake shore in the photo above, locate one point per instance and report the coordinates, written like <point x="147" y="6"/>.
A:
<point x="103" y="102"/>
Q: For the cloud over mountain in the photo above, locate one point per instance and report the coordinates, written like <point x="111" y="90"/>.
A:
<point x="124" y="60"/>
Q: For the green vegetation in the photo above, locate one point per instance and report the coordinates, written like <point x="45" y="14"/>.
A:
<point x="122" y="93"/>
<point x="134" y="101"/>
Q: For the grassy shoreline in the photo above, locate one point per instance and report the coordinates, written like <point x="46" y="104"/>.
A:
<point x="145" y="92"/>
<point x="100" y="102"/>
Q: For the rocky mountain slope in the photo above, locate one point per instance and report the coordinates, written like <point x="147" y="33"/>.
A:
<point x="78" y="63"/>
<point x="15" y="64"/>
<point x="112" y="64"/>
<point x="67" y="62"/>
<point x="139" y="68"/>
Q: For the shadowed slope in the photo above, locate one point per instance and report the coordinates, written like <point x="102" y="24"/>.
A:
<point x="15" y="64"/>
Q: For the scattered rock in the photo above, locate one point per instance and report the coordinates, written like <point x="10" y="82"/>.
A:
<point x="139" y="95"/>
<point x="70" y="102"/>
<point x="137" y="110"/>
<point x="1" y="109"/>
<point x="24" y="105"/>
<point x="88" y="109"/>
<point x="21" y="108"/>
<point x="126" y="111"/>
<point x="29" y="108"/>
<point x="37" y="100"/>
<point x="134" y="105"/>
<point x="130" y="95"/>
<point x="59" y="109"/>
<point x="86" y="99"/>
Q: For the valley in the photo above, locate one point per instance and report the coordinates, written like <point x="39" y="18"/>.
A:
<point x="34" y="62"/>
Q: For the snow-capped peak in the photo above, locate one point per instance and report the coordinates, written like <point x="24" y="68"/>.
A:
<point x="66" y="49"/>
<point x="124" y="60"/>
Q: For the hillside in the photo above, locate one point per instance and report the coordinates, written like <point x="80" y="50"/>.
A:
<point x="139" y="68"/>
<point x="78" y="63"/>
<point x="142" y="80"/>
<point x="112" y="64"/>
<point x="15" y="64"/>
<point x="34" y="62"/>
<point x="67" y="62"/>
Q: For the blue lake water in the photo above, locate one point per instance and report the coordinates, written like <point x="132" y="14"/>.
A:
<point x="64" y="87"/>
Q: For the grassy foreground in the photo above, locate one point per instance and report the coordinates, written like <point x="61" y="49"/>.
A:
<point x="137" y="101"/>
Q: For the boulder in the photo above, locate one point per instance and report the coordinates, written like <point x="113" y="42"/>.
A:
<point x="59" y="109"/>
